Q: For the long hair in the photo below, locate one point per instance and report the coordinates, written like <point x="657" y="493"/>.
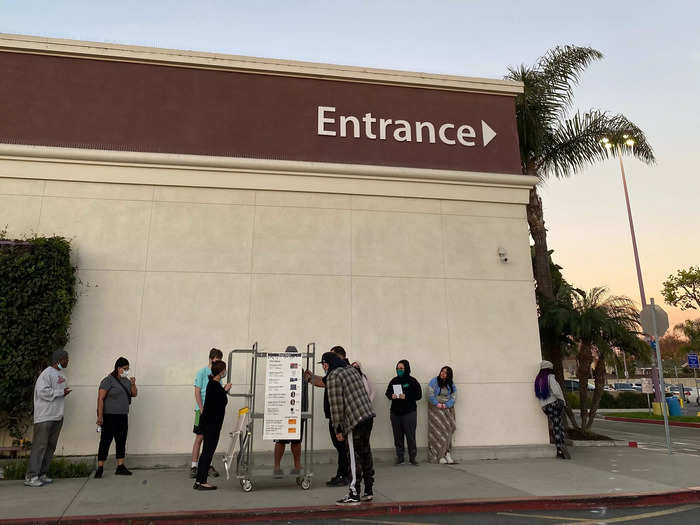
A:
<point x="121" y="362"/>
<point x="542" y="383"/>
<point x="448" y="382"/>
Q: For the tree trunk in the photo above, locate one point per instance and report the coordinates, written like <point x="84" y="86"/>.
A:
<point x="583" y="371"/>
<point x="535" y="219"/>
<point x="599" y="374"/>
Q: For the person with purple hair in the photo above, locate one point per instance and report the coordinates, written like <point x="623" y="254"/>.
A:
<point x="551" y="397"/>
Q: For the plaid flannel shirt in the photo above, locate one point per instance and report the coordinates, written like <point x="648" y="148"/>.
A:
<point x="348" y="399"/>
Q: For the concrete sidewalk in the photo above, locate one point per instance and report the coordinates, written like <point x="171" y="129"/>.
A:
<point x="162" y="495"/>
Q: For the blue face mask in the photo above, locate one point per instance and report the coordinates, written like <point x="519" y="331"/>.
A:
<point x="60" y="366"/>
<point x="399" y="372"/>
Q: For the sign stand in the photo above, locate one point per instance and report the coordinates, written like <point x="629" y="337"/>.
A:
<point x="693" y="363"/>
<point x="664" y="406"/>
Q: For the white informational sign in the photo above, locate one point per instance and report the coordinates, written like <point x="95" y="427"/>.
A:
<point x="647" y="386"/>
<point x="398" y="390"/>
<point x="283" y="396"/>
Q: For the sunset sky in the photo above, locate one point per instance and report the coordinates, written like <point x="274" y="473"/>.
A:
<point x="651" y="73"/>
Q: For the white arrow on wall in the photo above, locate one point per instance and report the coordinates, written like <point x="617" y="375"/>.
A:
<point x="487" y="133"/>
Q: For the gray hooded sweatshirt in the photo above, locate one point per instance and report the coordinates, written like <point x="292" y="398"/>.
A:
<point x="48" y="395"/>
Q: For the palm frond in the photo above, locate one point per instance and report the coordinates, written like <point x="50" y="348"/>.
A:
<point x="577" y="143"/>
<point x="561" y="69"/>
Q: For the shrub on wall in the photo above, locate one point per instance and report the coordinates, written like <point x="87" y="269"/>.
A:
<point x="37" y="294"/>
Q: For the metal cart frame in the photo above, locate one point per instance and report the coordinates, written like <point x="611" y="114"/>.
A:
<point x="240" y="450"/>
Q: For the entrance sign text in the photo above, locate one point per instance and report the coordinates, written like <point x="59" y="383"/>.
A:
<point x="399" y="130"/>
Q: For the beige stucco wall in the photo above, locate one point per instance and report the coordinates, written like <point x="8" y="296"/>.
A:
<point x="168" y="272"/>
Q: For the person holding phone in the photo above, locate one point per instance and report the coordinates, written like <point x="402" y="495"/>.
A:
<point x="50" y="392"/>
<point x="211" y="421"/>
<point x="113" y="400"/>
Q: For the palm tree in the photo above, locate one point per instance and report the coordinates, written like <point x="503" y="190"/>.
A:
<point x="555" y="142"/>
<point x="600" y="324"/>
<point x="691" y="330"/>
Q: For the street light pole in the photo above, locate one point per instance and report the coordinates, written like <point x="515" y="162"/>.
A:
<point x="634" y="238"/>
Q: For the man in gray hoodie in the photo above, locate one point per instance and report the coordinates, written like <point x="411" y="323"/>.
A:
<point x="50" y="391"/>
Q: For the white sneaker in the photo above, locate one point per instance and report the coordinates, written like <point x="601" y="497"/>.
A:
<point x="33" y="482"/>
<point x="443" y="461"/>
<point x="45" y="479"/>
<point x="449" y="459"/>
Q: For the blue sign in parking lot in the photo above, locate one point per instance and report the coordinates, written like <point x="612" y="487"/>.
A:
<point x="693" y="361"/>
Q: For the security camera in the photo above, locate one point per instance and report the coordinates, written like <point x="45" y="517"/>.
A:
<point x="503" y="255"/>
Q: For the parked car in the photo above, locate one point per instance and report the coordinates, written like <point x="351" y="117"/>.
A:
<point x="675" y="390"/>
<point x="608" y="388"/>
<point x="571" y="385"/>
<point x="625" y="387"/>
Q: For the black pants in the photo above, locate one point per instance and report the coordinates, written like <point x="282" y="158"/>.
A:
<point x="211" y="440"/>
<point x="405" y="426"/>
<point x="361" y="462"/>
<point x="343" y="455"/>
<point x="114" y="426"/>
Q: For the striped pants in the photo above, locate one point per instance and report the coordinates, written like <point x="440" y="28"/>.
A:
<point x="361" y="462"/>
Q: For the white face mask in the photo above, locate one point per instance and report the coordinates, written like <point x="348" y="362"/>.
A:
<point x="125" y="374"/>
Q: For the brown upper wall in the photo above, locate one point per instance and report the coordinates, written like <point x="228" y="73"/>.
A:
<point x="101" y="103"/>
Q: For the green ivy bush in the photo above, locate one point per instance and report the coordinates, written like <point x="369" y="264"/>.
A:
<point x="37" y="294"/>
<point x="59" y="468"/>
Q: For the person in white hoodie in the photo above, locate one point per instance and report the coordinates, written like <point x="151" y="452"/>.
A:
<point x="50" y="391"/>
<point x="553" y="402"/>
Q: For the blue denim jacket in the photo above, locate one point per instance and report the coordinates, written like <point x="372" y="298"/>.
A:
<point x="435" y="391"/>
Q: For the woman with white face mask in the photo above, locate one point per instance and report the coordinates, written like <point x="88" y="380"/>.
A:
<point x="113" y="400"/>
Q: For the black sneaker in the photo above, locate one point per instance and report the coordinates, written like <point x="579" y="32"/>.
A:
<point x="122" y="471"/>
<point x="368" y="495"/>
<point x="398" y="461"/>
<point x="351" y="499"/>
<point x="337" y="481"/>
<point x="99" y="472"/>
<point x="413" y="462"/>
<point x="193" y="472"/>
<point x="213" y="472"/>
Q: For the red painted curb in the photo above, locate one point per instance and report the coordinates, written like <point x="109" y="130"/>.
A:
<point x="375" y="509"/>
<point x="653" y="421"/>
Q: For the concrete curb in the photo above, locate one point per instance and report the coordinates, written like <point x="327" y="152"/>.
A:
<point x="653" y="421"/>
<point x="689" y="495"/>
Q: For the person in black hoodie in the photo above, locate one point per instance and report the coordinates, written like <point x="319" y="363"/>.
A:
<point x="210" y="421"/>
<point x="403" y="410"/>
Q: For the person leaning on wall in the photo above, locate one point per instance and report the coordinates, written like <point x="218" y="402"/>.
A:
<point x="113" y="400"/>
<point x="551" y="398"/>
<point x="441" y="417"/>
<point x="50" y="391"/>
<point x="403" y="411"/>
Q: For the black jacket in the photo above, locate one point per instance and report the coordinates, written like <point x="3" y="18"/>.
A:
<point x="214" y="408"/>
<point x="411" y="388"/>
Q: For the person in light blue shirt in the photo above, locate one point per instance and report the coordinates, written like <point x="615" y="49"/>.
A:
<point x="200" y="391"/>
<point x="441" y="416"/>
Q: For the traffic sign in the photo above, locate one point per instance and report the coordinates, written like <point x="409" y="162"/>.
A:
<point x="693" y="361"/>
<point x="647" y="386"/>
<point x="645" y="317"/>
